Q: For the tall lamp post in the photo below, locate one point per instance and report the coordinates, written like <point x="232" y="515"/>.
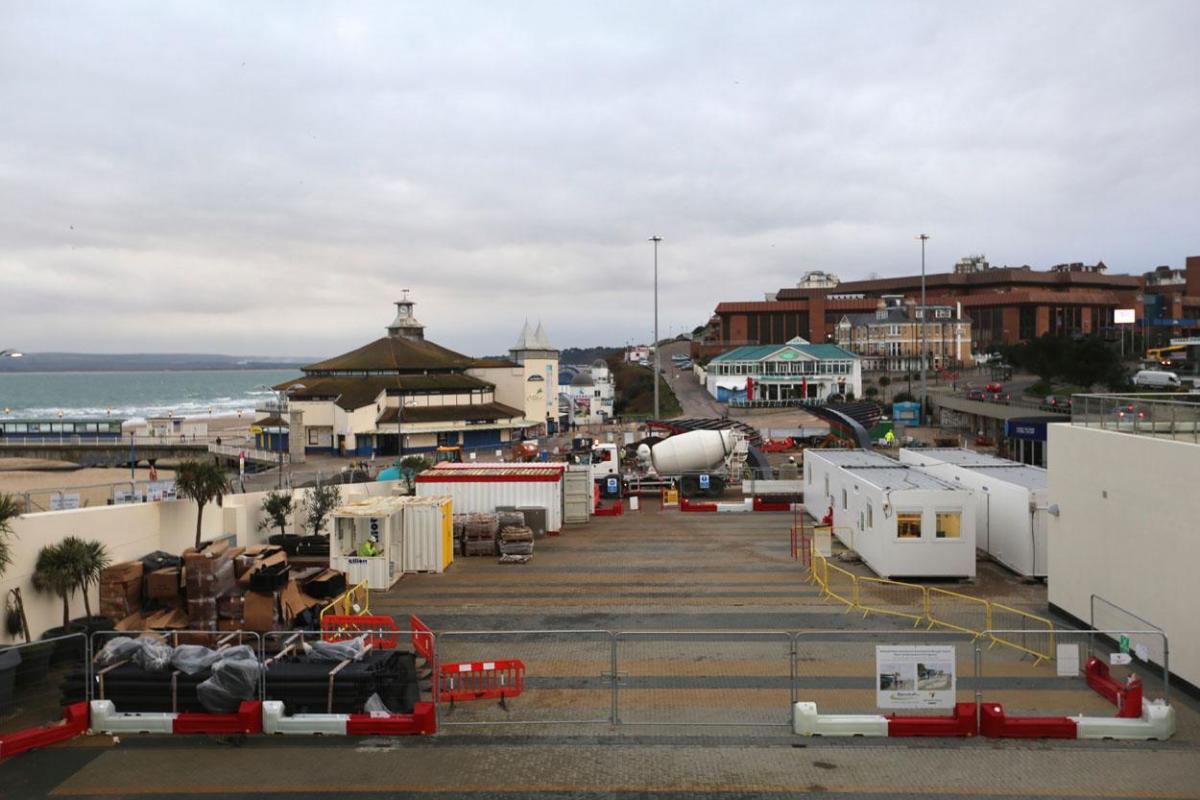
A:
<point x="924" y="311"/>
<point x="656" y="240"/>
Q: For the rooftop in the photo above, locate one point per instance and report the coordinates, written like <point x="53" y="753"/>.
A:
<point x="898" y="476"/>
<point x="820" y="352"/>
<point x="355" y="391"/>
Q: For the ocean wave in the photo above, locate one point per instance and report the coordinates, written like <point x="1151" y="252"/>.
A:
<point x="217" y="407"/>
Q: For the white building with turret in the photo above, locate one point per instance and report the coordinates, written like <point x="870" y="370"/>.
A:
<point x="403" y="393"/>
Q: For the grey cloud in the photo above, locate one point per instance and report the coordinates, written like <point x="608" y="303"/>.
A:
<point x="266" y="178"/>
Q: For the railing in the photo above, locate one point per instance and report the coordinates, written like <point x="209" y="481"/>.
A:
<point x="935" y="607"/>
<point x="100" y="440"/>
<point x="1165" y="415"/>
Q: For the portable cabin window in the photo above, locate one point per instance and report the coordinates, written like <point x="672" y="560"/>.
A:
<point x="845" y="503"/>
<point x="908" y="524"/>
<point x="827" y="486"/>
<point x="949" y="524"/>
<point x="870" y="516"/>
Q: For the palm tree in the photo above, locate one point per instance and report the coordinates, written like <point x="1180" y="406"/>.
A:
<point x="201" y="482"/>
<point x="88" y="559"/>
<point x="9" y="510"/>
<point x="54" y="571"/>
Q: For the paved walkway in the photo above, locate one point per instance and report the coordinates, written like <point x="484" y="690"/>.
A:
<point x="638" y="574"/>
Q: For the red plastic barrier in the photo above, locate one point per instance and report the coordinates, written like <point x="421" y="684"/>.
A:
<point x="615" y="510"/>
<point x="1127" y="697"/>
<point x="480" y="680"/>
<point x="73" y="723"/>
<point x="422" y="638"/>
<point x="421" y="722"/>
<point x="764" y="505"/>
<point x="248" y="719"/>
<point x="960" y="723"/>
<point x="688" y="505"/>
<point x="998" y="726"/>
<point x="339" y="627"/>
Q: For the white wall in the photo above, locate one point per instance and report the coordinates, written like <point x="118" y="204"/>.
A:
<point x="1129" y="513"/>
<point x="131" y="531"/>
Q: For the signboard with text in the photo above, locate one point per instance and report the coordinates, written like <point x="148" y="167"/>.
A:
<point x="910" y="676"/>
<point x="1124" y="316"/>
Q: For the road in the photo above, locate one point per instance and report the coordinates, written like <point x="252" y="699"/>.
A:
<point x="693" y="398"/>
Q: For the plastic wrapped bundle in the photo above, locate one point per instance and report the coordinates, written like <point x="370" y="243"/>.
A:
<point x="481" y="526"/>
<point x="151" y="655"/>
<point x="516" y="534"/>
<point x="510" y="519"/>
<point x="234" y="679"/>
<point x="352" y="650"/>
<point x="516" y="548"/>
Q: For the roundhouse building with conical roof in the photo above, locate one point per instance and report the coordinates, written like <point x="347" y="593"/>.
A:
<point x="405" y="394"/>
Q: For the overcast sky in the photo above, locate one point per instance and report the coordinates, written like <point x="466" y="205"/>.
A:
<point x="264" y="178"/>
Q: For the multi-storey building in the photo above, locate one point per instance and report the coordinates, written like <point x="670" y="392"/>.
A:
<point x="893" y="337"/>
<point x="1005" y="304"/>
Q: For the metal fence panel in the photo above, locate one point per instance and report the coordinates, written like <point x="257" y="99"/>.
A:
<point x="704" y="678"/>
<point x="39" y="679"/>
<point x="892" y="598"/>
<point x="1059" y="686"/>
<point x="1022" y="631"/>
<point x="958" y="612"/>
<point x="566" y="677"/>
<point x="837" y="669"/>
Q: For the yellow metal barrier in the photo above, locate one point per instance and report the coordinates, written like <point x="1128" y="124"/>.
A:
<point x="905" y="600"/>
<point x="958" y="612"/>
<point x="352" y="602"/>
<point x="1036" y="635"/>
<point x="816" y="568"/>
<point x="841" y="585"/>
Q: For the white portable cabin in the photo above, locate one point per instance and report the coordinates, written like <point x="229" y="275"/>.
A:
<point x="1010" y="503"/>
<point x="416" y="534"/>
<point x="485" y="487"/>
<point x="353" y="524"/>
<point x="903" y="522"/>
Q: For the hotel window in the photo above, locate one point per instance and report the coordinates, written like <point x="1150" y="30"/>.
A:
<point x="908" y="524"/>
<point x="948" y="524"/>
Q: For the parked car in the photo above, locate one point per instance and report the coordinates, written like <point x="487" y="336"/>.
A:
<point x="976" y="394"/>
<point x="1129" y="411"/>
<point x="1057" y="402"/>
<point x="994" y="388"/>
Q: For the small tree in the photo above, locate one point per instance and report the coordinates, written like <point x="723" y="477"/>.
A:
<point x="278" y="508"/>
<point x="10" y="509"/>
<point x="88" y="560"/>
<point x="319" y="503"/>
<point x="55" y="572"/>
<point x="410" y="467"/>
<point x="871" y="392"/>
<point x="201" y="482"/>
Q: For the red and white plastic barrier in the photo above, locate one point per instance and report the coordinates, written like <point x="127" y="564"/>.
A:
<point x="808" y="721"/>
<point x="106" y="719"/>
<point x="74" y="723"/>
<point x="275" y="722"/>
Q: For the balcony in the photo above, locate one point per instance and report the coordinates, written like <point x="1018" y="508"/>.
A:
<point x="1160" y="415"/>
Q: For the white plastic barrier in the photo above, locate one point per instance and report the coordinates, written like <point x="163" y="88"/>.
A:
<point x="728" y="508"/>
<point x="106" y="719"/>
<point x="274" y="722"/>
<point x="1157" y="722"/>
<point x="807" y="722"/>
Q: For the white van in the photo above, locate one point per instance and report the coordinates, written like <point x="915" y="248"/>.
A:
<point x="1156" y="378"/>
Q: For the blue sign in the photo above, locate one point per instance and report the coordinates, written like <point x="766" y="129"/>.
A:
<point x="612" y="485"/>
<point x="1031" y="430"/>
<point x="908" y="413"/>
<point x="703" y="481"/>
<point x="1176" y="323"/>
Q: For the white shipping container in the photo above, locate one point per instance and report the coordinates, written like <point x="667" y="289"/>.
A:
<point x="428" y="543"/>
<point x="486" y="488"/>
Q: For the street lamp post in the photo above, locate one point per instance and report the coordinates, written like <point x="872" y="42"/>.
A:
<point x="924" y="311"/>
<point x="656" y="240"/>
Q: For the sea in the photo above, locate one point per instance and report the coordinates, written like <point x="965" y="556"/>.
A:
<point x="136" y="395"/>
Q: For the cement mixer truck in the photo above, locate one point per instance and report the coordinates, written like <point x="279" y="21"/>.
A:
<point x="699" y="463"/>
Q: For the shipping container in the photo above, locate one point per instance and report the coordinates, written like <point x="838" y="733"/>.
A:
<point x="481" y="488"/>
<point x="428" y="534"/>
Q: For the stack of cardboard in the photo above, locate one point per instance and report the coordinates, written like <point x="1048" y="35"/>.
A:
<point x="208" y="574"/>
<point x="121" y="590"/>
<point x="258" y="610"/>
